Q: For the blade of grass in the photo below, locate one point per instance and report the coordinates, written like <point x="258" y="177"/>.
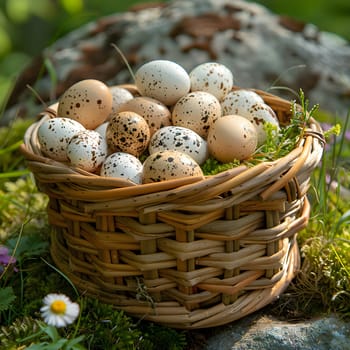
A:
<point x="63" y="275"/>
<point x="16" y="173"/>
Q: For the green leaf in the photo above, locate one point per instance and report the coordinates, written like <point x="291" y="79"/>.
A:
<point x="74" y="343"/>
<point x="41" y="346"/>
<point x="31" y="245"/>
<point x="51" y="332"/>
<point x="345" y="218"/>
<point x="7" y="296"/>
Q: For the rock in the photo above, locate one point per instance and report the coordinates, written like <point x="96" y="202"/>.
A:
<point x="261" y="332"/>
<point x="263" y="50"/>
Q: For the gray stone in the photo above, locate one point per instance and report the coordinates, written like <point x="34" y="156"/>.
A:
<point x="264" y="51"/>
<point x="261" y="332"/>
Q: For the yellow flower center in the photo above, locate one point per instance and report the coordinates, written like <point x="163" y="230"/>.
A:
<point x="58" y="307"/>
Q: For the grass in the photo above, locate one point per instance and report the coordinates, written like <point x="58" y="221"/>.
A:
<point x="323" y="284"/>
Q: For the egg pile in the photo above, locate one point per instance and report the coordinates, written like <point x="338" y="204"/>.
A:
<point x="173" y="120"/>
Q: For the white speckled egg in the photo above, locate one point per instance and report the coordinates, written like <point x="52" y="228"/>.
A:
<point x="180" y="139"/>
<point x="54" y="135"/>
<point x="128" y="132"/>
<point x="166" y="165"/>
<point x="156" y="114"/>
<point x="124" y="165"/>
<point x="212" y="77"/>
<point x="87" y="150"/>
<point x="259" y="114"/>
<point x="164" y="80"/>
<point x="88" y="101"/>
<point x="239" y="101"/>
<point x="119" y="96"/>
<point x="232" y="137"/>
<point x="197" y="111"/>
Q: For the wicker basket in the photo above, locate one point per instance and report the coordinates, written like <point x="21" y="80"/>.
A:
<point x="189" y="253"/>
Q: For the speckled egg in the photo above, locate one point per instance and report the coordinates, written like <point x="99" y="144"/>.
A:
<point x="156" y="114"/>
<point x="54" y="135"/>
<point x="128" y="132"/>
<point x="124" y="165"/>
<point x="212" y="77"/>
<point x="164" y="80"/>
<point x="166" y="165"/>
<point x="197" y="111"/>
<point x="232" y="137"/>
<point x="239" y="101"/>
<point x="180" y="139"/>
<point x="87" y="150"/>
<point x="259" y="114"/>
<point x="88" y="101"/>
<point x="119" y="96"/>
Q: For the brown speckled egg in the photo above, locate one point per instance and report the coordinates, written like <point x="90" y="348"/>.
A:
<point x="232" y="137"/>
<point x="87" y="150"/>
<point x="164" y="80"/>
<point x="166" y="165"/>
<point x="54" y="135"/>
<point x="128" y="132"/>
<point x="197" y="111"/>
<point x="156" y="114"/>
<point x="88" y="101"/>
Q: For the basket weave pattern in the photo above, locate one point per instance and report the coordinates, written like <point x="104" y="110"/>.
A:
<point x="189" y="253"/>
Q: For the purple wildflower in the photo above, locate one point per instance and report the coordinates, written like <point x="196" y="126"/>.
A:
<point x="347" y="135"/>
<point x="5" y="258"/>
<point x="326" y="126"/>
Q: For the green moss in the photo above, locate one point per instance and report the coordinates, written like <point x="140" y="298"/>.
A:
<point x="212" y="166"/>
<point x="107" y="328"/>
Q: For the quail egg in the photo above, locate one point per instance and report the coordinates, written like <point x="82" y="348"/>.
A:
<point x="156" y="114"/>
<point x="197" y="111"/>
<point x="88" y="101"/>
<point x="163" y="80"/>
<point x="166" y="165"/>
<point x="232" y="137"/>
<point x="181" y="139"/>
<point x="212" y="77"/>
<point x="124" y="165"/>
<point x="128" y="132"/>
<point x="239" y="101"/>
<point x="87" y="150"/>
<point x="54" y="135"/>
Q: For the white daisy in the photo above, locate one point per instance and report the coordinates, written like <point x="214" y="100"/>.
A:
<point x="59" y="310"/>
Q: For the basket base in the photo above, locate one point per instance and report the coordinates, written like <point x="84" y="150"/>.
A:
<point x="171" y="313"/>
